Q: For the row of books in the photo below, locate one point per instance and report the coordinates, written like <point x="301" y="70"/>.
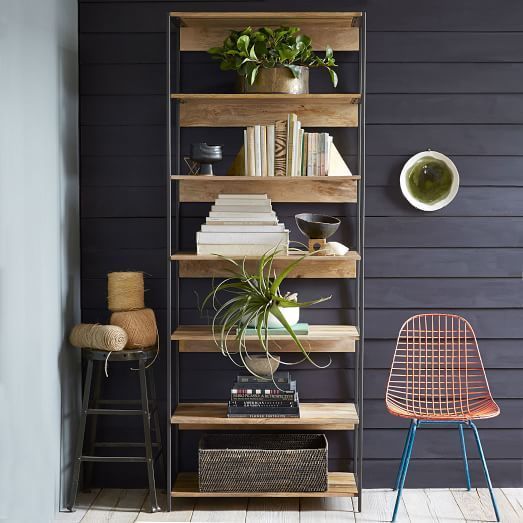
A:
<point x="286" y="149"/>
<point x="242" y="225"/>
<point x="252" y="397"/>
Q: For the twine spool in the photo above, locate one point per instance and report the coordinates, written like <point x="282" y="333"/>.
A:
<point x="125" y="291"/>
<point x="140" y="327"/>
<point x="94" y="336"/>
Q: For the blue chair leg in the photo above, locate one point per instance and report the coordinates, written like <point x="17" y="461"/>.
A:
<point x="485" y="469"/>
<point x="405" y="468"/>
<point x="402" y="462"/>
<point x="464" y="452"/>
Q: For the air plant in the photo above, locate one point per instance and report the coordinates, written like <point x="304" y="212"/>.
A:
<point x="249" y="299"/>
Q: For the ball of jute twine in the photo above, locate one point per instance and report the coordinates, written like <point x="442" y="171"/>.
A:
<point x="125" y="291"/>
<point x="102" y="337"/>
<point x="140" y="327"/>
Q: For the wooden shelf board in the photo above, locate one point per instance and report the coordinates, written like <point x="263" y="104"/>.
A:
<point x="321" y="338"/>
<point x="191" y="265"/>
<point x="280" y="189"/>
<point x="201" y="30"/>
<point x="314" y="416"/>
<point x="236" y="110"/>
<point x="206" y="18"/>
<point x="349" y="98"/>
<point x="341" y="484"/>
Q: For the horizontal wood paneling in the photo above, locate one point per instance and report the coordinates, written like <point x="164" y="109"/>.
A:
<point x="109" y="202"/>
<point x="439" y="76"/>
<point x="128" y="109"/>
<point x="402" y="15"/>
<point x="384" y="46"/>
<point x="389" y="78"/>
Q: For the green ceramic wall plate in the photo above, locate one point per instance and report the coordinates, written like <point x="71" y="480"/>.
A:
<point x="429" y="180"/>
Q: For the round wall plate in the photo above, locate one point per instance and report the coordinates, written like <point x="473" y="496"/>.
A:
<point x="429" y="180"/>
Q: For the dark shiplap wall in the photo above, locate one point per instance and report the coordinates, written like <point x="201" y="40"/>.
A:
<point x="441" y="74"/>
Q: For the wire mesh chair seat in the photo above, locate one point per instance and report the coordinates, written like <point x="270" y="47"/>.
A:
<point x="437" y="372"/>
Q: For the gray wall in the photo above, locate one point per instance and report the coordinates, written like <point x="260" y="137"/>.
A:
<point x="39" y="261"/>
<point x="444" y="74"/>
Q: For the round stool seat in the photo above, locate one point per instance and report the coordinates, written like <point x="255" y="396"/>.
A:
<point x="145" y="354"/>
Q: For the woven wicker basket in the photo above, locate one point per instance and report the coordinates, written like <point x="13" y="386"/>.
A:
<point x="263" y="463"/>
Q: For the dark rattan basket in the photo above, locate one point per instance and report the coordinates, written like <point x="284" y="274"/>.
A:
<point x="262" y="463"/>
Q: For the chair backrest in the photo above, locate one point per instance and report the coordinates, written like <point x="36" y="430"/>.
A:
<point x="437" y="369"/>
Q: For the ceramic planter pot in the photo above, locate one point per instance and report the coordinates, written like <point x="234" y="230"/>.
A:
<point x="277" y="80"/>
<point x="261" y="365"/>
<point x="291" y="314"/>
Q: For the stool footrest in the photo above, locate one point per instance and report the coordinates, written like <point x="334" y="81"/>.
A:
<point x="116" y="412"/>
<point x="113" y="459"/>
<point x="122" y="444"/>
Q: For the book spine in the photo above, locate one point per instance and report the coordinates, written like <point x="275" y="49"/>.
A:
<point x="280" y="377"/>
<point x="242" y="196"/>
<point x="304" y="154"/>
<point x="261" y="404"/>
<point x="288" y="163"/>
<point x="270" y="150"/>
<point x="263" y="394"/>
<point x="263" y="153"/>
<point x="264" y="415"/>
<point x="280" y="147"/>
<point x="251" y="155"/>
<point x="245" y="154"/>
<point x="328" y="160"/>
<point x="257" y="149"/>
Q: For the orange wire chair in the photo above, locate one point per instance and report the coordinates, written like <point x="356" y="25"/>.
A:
<point x="437" y="376"/>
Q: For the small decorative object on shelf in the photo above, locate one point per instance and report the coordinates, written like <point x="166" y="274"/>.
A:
<point x="257" y="397"/>
<point x="272" y="60"/>
<point x="429" y="180"/>
<point x="242" y="225"/>
<point x="285" y="148"/>
<point x="253" y="296"/>
<point x="263" y="463"/>
<point x="261" y="365"/>
<point x="205" y="155"/>
<point x="317" y="228"/>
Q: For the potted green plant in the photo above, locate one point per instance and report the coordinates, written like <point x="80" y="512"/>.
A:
<point x="253" y="299"/>
<point x="272" y="60"/>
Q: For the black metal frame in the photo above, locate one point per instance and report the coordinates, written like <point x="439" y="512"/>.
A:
<point x="173" y="122"/>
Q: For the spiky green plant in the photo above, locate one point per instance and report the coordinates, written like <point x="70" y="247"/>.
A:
<point x="250" y="298"/>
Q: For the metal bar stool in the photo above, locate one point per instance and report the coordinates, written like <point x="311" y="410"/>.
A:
<point x="148" y="408"/>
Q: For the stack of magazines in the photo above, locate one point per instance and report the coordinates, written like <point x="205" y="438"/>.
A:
<point x="253" y="397"/>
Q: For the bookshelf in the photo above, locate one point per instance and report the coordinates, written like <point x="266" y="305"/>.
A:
<point x="197" y="31"/>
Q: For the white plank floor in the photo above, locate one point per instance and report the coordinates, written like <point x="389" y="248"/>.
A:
<point x="418" y="506"/>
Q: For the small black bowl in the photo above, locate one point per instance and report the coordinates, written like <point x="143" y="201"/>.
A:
<point x="317" y="226"/>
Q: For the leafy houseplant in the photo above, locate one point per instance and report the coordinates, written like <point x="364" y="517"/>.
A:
<point x="252" y="298"/>
<point x="255" y="53"/>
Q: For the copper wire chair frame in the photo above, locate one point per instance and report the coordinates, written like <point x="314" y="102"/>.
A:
<point x="462" y="419"/>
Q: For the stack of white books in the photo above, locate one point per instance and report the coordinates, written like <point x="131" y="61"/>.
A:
<point x="242" y="225"/>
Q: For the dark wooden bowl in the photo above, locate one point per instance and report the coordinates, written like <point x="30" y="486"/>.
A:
<point x="317" y="226"/>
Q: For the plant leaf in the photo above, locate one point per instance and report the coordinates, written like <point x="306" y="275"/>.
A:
<point x="334" y="77"/>
<point x="243" y="44"/>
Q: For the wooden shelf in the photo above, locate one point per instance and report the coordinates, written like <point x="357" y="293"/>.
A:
<point x="341" y="484"/>
<point x="240" y="110"/>
<point x="314" y="416"/>
<point x="191" y="265"/>
<point x="280" y="189"/>
<point x="201" y="30"/>
<point x="321" y="338"/>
